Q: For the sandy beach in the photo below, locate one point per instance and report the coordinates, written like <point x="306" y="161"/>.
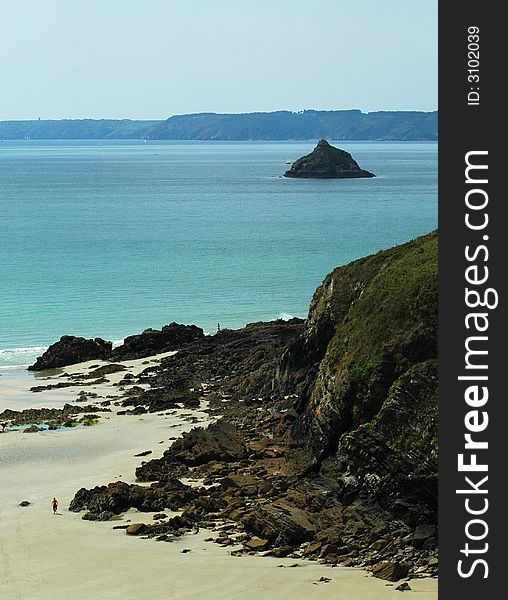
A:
<point x="61" y="556"/>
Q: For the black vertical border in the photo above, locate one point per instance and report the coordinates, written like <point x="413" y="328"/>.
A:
<point x="463" y="128"/>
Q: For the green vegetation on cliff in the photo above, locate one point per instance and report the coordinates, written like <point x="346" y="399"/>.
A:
<point x="384" y="309"/>
<point x="365" y="372"/>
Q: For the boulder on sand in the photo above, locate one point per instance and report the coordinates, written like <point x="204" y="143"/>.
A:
<point x="136" y="529"/>
<point x="390" y="571"/>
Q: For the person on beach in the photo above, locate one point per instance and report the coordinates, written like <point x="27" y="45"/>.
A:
<point x="54" y="504"/>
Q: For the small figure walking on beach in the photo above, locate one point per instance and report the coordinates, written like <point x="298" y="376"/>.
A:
<point x="54" y="504"/>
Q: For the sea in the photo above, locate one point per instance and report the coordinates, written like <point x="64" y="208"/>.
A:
<point x="108" y="238"/>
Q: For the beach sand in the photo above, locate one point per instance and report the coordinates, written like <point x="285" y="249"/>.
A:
<point x="45" y="556"/>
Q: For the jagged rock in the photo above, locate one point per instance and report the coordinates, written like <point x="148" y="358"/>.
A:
<point x="256" y="544"/>
<point x="241" y="359"/>
<point x="202" y="507"/>
<point x="312" y="549"/>
<point x="157" y="399"/>
<point x="154" y="341"/>
<point x="119" y="497"/>
<point x="423" y="533"/>
<point x="328" y="549"/>
<point x="175" y="526"/>
<point x="70" y="350"/>
<point x="331" y="535"/>
<point x="219" y="441"/>
<point x="390" y="571"/>
<point x="158" y="468"/>
<point x="327" y="162"/>
<point x="280" y="523"/>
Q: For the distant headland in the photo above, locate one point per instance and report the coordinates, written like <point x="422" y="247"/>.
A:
<point x="269" y="126"/>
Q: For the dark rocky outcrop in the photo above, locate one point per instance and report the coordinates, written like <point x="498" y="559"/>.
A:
<point x="325" y="443"/>
<point x="161" y="398"/>
<point x="119" y="497"/>
<point x="240" y="360"/>
<point x="70" y="350"/>
<point x="53" y="417"/>
<point x="219" y="441"/>
<point x="327" y="162"/>
<point x="154" y="341"/>
<point x="280" y="522"/>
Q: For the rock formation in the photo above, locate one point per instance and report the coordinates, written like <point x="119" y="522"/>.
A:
<point x="70" y="350"/>
<point x="153" y="341"/>
<point x="326" y="162"/>
<point x="326" y="445"/>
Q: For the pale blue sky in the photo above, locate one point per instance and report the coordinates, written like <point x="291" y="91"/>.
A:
<point x="153" y="58"/>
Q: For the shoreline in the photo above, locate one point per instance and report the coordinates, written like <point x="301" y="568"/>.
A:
<point x="45" y="556"/>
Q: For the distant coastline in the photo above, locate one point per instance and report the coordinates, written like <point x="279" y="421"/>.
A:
<point x="269" y="126"/>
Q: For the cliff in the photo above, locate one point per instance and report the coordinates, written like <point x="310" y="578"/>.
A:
<point x="365" y="374"/>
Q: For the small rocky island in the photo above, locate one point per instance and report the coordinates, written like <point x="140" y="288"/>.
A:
<point x="327" y="162"/>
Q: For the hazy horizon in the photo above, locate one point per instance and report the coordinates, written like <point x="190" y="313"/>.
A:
<point x="127" y="59"/>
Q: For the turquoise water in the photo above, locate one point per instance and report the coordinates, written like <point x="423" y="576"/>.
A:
<point x="108" y="239"/>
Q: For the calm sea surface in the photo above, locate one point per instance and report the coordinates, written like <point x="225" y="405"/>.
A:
<point x="107" y="239"/>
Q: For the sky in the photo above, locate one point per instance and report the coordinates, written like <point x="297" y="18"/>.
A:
<point x="149" y="59"/>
